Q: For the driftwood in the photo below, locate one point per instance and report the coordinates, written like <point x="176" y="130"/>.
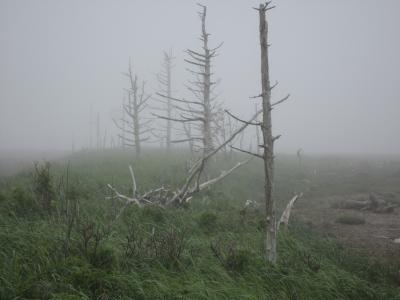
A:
<point x="193" y="184"/>
<point x="284" y="220"/>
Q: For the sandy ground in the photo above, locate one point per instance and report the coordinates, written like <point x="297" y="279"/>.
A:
<point x="376" y="236"/>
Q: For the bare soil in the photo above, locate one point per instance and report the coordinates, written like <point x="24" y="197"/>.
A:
<point x="375" y="237"/>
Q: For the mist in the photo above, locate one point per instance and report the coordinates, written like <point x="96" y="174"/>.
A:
<point x="62" y="64"/>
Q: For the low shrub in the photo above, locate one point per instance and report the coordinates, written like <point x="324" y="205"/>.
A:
<point x="207" y="221"/>
<point x="43" y="187"/>
<point x="230" y="255"/>
<point x="23" y="203"/>
<point x="164" y="245"/>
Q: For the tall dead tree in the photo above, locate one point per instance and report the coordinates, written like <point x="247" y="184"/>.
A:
<point x="268" y="140"/>
<point x="164" y="79"/>
<point x="134" y="128"/>
<point x="200" y="111"/>
<point x="258" y="138"/>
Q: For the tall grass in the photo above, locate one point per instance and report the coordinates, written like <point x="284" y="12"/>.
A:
<point x="153" y="253"/>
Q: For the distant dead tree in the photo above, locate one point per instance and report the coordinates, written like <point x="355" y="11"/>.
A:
<point x="198" y="114"/>
<point x="221" y="129"/>
<point x="164" y="79"/>
<point x="98" y="134"/>
<point x="299" y="156"/>
<point x="188" y="132"/>
<point x="134" y="128"/>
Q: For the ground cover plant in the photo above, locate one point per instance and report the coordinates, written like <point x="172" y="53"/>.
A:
<point x="210" y="249"/>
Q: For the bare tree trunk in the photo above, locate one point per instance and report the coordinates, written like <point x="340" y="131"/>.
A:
<point x="105" y="139"/>
<point x="164" y="78"/>
<point x="169" y="106"/>
<point x="98" y="138"/>
<point x="188" y="132"/>
<point x="135" y="112"/>
<point x="207" y="132"/>
<point x="133" y="125"/>
<point x="258" y="139"/>
<point x="91" y="128"/>
<point x="122" y="138"/>
<point x="299" y="157"/>
<point x="268" y="141"/>
<point x="200" y="112"/>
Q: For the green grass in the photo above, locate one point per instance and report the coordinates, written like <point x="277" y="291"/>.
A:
<point x="208" y="250"/>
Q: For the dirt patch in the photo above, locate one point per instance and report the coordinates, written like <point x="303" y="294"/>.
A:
<point x="376" y="236"/>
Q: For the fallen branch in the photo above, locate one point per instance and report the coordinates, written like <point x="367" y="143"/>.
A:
<point x="286" y="213"/>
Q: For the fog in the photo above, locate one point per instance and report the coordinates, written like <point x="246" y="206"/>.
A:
<point x="62" y="61"/>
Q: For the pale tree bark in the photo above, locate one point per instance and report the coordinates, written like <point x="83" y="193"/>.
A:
<point x="98" y="138"/>
<point x="194" y="182"/>
<point x="268" y="139"/>
<point x="258" y="137"/>
<point x="134" y="128"/>
<point x="164" y="79"/>
<point x="206" y="59"/>
<point x="200" y="112"/>
<point x="188" y="133"/>
<point x="299" y="157"/>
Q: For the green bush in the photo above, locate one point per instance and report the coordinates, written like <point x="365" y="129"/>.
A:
<point x="24" y="204"/>
<point x="2" y="198"/>
<point x="153" y="253"/>
<point x="153" y="214"/>
<point x="43" y="187"/>
<point x="232" y="257"/>
<point x="208" y="221"/>
<point x="104" y="258"/>
<point x="237" y="260"/>
<point x="66" y="296"/>
<point x="163" y="244"/>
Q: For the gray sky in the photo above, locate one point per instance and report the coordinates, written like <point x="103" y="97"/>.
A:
<point x="339" y="60"/>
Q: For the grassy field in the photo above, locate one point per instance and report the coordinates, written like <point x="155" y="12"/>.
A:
<point x="211" y="249"/>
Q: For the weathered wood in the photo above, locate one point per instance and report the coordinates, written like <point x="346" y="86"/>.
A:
<point x="164" y="78"/>
<point x="131" y="124"/>
<point x="202" y="118"/>
<point x="268" y="142"/>
<point x="192" y="185"/>
<point x="284" y="220"/>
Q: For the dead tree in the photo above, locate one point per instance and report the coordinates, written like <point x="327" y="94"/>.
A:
<point x="134" y="128"/>
<point x="200" y="111"/>
<point x="164" y="79"/>
<point x="299" y="154"/>
<point x="98" y="138"/>
<point x="221" y="129"/>
<point x="188" y="132"/>
<point x="192" y="185"/>
<point x="267" y="154"/>
<point x="268" y="138"/>
<point x="258" y="138"/>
